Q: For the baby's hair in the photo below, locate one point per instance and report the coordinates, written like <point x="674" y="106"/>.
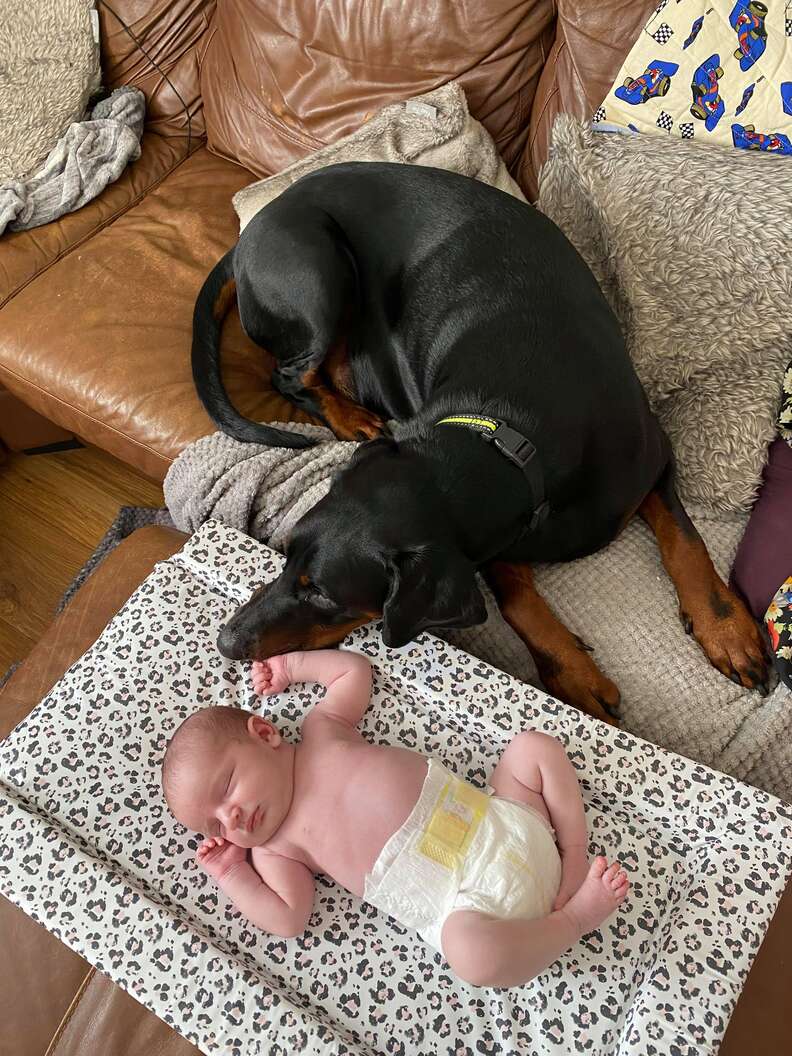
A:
<point x="206" y="727"/>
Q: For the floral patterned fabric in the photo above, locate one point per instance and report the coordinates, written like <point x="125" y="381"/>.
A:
<point x="785" y="414"/>
<point x="88" y="849"/>
<point x="779" y="626"/>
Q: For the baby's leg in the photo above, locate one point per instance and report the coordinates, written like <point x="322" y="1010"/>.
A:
<point x="536" y="770"/>
<point x="487" y="951"/>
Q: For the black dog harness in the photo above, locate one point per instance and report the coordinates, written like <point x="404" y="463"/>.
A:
<point x="517" y="448"/>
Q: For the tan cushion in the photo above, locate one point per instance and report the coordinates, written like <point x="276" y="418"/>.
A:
<point x="280" y="80"/>
<point x="37" y="983"/>
<point x="104" y="1019"/>
<point x="50" y="68"/>
<point x="100" y="343"/>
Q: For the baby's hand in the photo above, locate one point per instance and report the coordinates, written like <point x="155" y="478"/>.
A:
<point x="216" y="856"/>
<point x="270" y="676"/>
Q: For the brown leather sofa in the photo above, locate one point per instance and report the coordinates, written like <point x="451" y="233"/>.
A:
<point x="95" y="315"/>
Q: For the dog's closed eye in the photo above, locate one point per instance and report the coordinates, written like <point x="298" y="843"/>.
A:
<point x="313" y="592"/>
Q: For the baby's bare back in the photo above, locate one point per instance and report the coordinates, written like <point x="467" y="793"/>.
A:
<point x="349" y="799"/>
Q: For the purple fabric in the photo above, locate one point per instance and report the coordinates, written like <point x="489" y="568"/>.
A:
<point x="764" y="556"/>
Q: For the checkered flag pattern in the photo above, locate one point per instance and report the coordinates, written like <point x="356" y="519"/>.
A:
<point x="665" y="121"/>
<point x="660" y="6"/>
<point x="663" y="33"/>
<point x="686" y="129"/>
<point x="788" y="26"/>
<point x="599" y="115"/>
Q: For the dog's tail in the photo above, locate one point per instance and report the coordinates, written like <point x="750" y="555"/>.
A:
<point x="217" y="296"/>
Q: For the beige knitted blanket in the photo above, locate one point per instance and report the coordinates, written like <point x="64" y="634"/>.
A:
<point x="619" y="600"/>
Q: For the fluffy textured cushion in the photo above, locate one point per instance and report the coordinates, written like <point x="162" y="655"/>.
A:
<point x="691" y="246"/>
<point x="50" y="66"/>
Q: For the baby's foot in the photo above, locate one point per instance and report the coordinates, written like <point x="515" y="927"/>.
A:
<point x="604" y="888"/>
<point x="270" y="676"/>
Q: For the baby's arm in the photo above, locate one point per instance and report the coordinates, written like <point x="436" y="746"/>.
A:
<point x="277" y="895"/>
<point x="346" y="676"/>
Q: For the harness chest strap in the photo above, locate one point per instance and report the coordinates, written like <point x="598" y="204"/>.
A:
<point x="517" y="448"/>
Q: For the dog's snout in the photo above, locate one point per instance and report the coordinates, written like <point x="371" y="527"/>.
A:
<point x="230" y="643"/>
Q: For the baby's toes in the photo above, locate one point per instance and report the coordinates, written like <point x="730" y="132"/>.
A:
<point x="598" y="867"/>
<point x="610" y="874"/>
<point x="620" y="893"/>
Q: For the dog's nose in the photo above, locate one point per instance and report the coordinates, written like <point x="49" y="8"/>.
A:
<point x="230" y="644"/>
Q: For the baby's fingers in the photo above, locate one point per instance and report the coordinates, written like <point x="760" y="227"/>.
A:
<point x="209" y="844"/>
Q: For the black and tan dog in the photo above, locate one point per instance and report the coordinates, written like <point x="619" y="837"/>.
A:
<point x="401" y="292"/>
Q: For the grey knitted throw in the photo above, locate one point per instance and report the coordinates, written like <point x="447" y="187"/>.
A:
<point x="619" y="600"/>
<point x="90" y="155"/>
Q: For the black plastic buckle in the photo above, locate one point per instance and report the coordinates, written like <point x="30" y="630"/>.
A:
<point x="538" y="515"/>
<point x="514" y="445"/>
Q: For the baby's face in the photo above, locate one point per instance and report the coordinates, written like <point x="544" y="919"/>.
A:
<point x="241" y="790"/>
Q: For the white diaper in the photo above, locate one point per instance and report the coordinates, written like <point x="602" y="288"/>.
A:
<point x="462" y="848"/>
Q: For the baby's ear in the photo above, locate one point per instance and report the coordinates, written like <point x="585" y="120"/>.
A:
<point x="263" y="730"/>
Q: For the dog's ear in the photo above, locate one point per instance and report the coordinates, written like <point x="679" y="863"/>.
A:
<point x="430" y="587"/>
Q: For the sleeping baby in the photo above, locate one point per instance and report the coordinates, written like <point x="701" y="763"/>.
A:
<point x="498" y="880"/>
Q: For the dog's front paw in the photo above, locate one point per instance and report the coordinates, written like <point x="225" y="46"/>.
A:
<point x="576" y="679"/>
<point x="729" y="635"/>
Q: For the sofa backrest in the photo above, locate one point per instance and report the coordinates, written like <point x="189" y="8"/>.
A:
<point x="173" y="35"/>
<point x="270" y="81"/>
<point x="281" y="78"/>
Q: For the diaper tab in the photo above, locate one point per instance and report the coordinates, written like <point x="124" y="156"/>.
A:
<point x="452" y="824"/>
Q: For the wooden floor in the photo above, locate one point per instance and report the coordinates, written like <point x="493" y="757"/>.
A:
<point x="54" y="509"/>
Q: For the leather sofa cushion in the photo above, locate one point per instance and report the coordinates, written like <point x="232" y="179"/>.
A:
<point x="31" y="1014"/>
<point x="279" y="79"/>
<point x="24" y="255"/>
<point x="100" y="343"/>
<point x="104" y="1019"/>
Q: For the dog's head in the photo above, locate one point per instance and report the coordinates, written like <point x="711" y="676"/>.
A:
<point x="376" y="545"/>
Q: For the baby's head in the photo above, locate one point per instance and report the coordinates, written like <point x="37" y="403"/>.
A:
<point x="228" y="772"/>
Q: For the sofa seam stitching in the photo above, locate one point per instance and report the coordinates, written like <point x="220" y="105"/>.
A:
<point x="68" y="1014"/>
